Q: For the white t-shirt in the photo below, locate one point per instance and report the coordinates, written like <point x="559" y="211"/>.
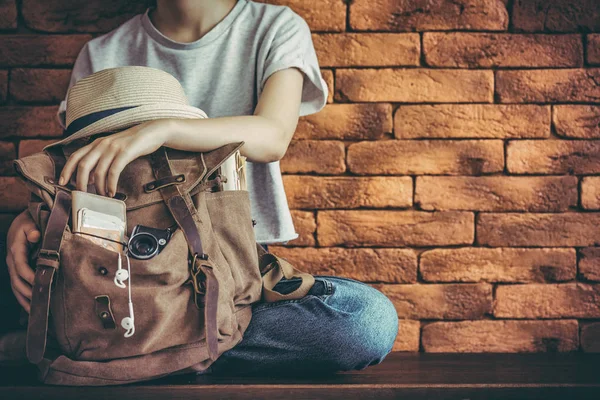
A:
<point x="223" y="73"/>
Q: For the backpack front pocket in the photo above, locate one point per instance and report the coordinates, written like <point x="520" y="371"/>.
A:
<point x="86" y="299"/>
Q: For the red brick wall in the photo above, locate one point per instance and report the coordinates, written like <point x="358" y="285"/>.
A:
<point x="455" y="167"/>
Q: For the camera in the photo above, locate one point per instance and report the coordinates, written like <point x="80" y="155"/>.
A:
<point x="146" y="242"/>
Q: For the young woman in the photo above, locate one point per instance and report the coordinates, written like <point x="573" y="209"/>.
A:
<point x="253" y="69"/>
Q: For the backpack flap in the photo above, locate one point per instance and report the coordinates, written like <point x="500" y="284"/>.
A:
<point x="137" y="185"/>
<point x="37" y="172"/>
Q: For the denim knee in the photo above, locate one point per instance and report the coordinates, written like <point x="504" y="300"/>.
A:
<point x="369" y="335"/>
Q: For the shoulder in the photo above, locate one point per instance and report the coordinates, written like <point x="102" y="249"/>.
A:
<point x="118" y="37"/>
<point x="274" y="17"/>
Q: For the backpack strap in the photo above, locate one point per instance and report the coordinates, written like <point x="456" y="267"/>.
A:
<point x="47" y="263"/>
<point x="273" y="269"/>
<point x="182" y="209"/>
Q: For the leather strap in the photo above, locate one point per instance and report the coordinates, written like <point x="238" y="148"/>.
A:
<point x="159" y="183"/>
<point x="48" y="261"/>
<point x="273" y="269"/>
<point x="182" y="209"/>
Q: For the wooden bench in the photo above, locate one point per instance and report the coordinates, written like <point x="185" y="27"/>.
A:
<point x="400" y="376"/>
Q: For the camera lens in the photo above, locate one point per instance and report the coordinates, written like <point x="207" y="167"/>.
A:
<point x="143" y="245"/>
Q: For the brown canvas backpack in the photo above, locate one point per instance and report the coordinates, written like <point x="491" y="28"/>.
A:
<point x="192" y="300"/>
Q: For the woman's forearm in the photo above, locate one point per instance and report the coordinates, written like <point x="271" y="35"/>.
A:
<point x="263" y="137"/>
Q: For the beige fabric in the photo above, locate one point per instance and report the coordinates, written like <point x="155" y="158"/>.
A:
<point x="169" y="334"/>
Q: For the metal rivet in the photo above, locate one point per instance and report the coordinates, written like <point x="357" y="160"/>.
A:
<point x="50" y="180"/>
<point x="180" y="179"/>
<point x="150" y="187"/>
<point x="103" y="271"/>
<point x="104" y="315"/>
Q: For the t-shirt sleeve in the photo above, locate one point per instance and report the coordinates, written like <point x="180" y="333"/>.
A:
<point x="290" y="45"/>
<point x="81" y="69"/>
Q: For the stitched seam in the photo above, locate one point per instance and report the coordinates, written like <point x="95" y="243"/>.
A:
<point x="222" y="197"/>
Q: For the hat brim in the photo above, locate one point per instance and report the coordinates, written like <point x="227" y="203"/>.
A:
<point x="134" y="116"/>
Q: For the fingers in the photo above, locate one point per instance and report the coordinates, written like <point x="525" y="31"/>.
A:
<point x="101" y="171"/>
<point x="21" y="287"/>
<point x="20" y="261"/>
<point x="84" y="169"/>
<point x="22" y="301"/>
<point x="33" y="235"/>
<point x="98" y="157"/>
<point x="18" y="249"/>
<point x="118" y="164"/>
<point x="72" y="163"/>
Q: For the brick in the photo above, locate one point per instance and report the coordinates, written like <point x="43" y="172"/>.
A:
<point x="415" y="85"/>
<point x="328" y="77"/>
<point x="577" y="121"/>
<point x="14" y="196"/>
<point x="385" y="228"/>
<point x="409" y="333"/>
<point x="589" y="264"/>
<point x="83" y="16"/>
<point x="3" y="85"/>
<point x="590" y="337"/>
<point x="7" y="155"/>
<point x="347" y="122"/>
<point x="553" y="157"/>
<point x="453" y="301"/>
<point x="8" y="14"/>
<point x="29" y="121"/>
<point x="590" y="193"/>
<point x="593" y="49"/>
<point x="5" y="222"/>
<point x="556" y="15"/>
<point x="496" y="193"/>
<point x="347" y="192"/>
<point x="314" y="156"/>
<point x="39" y="85"/>
<point x="500" y="336"/>
<point x="306" y="227"/>
<point x="367" y="49"/>
<point x="28" y="147"/>
<point x="42" y="50"/>
<point x="470" y="264"/>
<point x="538" y="230"/>
<point x="482" y="121"/>
<point x="425" y="15"/>
<point x="491" y="50"/>
<point x="549" y="86"/>
<point x="323" y="15"/>
<point x="410" y="157"/>
<point x="565" y="300"/>
<point x="365" y="265"/>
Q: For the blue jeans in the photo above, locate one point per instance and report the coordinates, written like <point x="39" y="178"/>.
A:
<point x="342" y="324"/>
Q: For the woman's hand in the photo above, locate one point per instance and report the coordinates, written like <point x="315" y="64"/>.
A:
<point x="108" y="156"/>
<point x="21" y="235"/>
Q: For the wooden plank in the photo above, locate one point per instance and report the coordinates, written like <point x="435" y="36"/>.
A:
<point x="400" y="375"/>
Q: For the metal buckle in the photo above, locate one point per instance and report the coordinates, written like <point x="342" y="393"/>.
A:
<point x="49" y="254"/>
<point x="199" y="285"/>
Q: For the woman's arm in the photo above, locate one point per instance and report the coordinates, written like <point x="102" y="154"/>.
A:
<point x="266" y="134"/>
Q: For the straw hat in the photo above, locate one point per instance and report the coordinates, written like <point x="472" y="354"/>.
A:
<point x="115" y="99"/>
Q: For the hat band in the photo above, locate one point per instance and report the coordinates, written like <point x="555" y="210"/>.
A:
<point x="89" y="119"/>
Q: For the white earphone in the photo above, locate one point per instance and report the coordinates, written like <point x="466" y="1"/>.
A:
<point x="121" y="276"/>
